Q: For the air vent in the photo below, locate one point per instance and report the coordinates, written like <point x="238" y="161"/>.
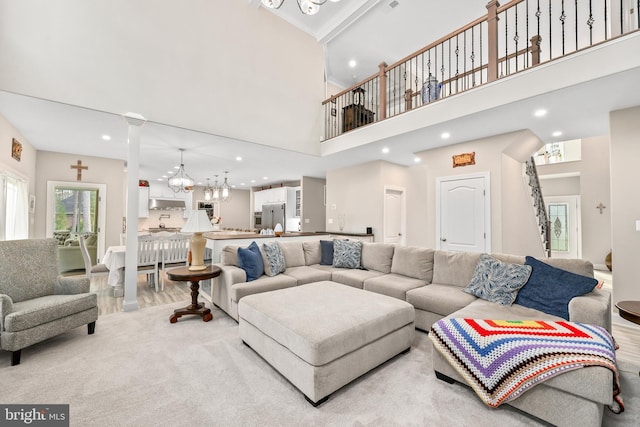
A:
<point x="393" y="4"/>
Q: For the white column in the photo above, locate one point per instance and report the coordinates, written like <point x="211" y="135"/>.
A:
<point x="134" y="123"/>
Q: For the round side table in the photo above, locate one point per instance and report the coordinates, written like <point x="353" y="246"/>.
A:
<point x="629" y="310"/>
<point x="183" y="274"/>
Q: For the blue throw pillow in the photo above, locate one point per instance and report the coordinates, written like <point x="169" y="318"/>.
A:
<point x="326" y="250"/>
<point x="550" y="289"/>
<point x="347" y="253"/>
<point x="497" y="281"/>
<point x="250" y="260"/>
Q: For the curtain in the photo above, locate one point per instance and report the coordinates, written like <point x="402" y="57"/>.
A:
<point x="15" y="207"/>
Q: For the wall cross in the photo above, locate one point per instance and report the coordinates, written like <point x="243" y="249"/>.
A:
<point x="79" y="167"/>
<point x="601" y="207"/>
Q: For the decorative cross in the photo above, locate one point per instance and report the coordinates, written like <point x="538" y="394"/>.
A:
<point x="600" y="206"/>
<point x="79" y="168"/>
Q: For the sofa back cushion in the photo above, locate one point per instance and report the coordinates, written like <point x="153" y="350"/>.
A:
<point x="413" y="261"/>
<point x="28" y="268"/>
<point x="377" y="256"/>
<point x="293" y="253"/>
<point x="454" y="268"/>
<point x="312" y="252"/>
<point x="229" y="255"/>
<point x="575" y="266"/>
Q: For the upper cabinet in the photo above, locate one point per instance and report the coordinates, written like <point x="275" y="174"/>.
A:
<point x="270" y="195"/>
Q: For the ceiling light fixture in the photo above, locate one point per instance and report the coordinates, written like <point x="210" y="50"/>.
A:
<point x="180" y="181"/>
<point x="106" y="137"/>
<point x="215" y="191"/>
<point x="353" y="63"/>
<point x="385" y="150"/>
<point x="208" y="191"/>
<point x="556" y="134"/>
<point x="307" y="7"/>
<point x="445" y="135"/>
<point x="225" y="189"/>
<point x="540" y="113"/>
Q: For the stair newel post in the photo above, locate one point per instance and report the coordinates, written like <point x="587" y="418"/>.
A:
<point x="492" y="39"/>
<point x="535" y="49"/>
<point x="382" y="90"/>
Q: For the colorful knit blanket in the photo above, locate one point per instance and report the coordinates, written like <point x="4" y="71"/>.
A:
<point x="501" y="359"/>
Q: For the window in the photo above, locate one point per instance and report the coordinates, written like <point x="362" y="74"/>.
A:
<point x="559" y="152"/>
<point x="558" y="216"/>
<point x="14" y="212"/>
<point x="75" y="210"/>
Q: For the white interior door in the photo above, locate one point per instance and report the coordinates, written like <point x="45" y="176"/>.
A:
<point x="463" y="214"/>
<point x="394" y="215"/>
<point x="566" y="233"/>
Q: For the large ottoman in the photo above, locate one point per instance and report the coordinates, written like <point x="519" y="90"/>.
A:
<point x="323" y="335"/>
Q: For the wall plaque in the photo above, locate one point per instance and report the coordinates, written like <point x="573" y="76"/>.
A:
<point x="16" y="149"/>
<point x="464" y="159"/>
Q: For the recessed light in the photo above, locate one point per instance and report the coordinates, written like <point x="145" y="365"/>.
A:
<point x="106" y="137"/>
<point x="445" y="135"/>
<point x="540" y="113"/>
<point x="353" y="63"/>
<point x="385" y="150"/>
<point x="253" y="180"/>
<point x="238" y="159"/>
<point x="160" y="179"/>
<point x="176" y="167"/>
<point x="265" y="178"/>
<point x="242" y="184"/>
<point x="417" y="159"/>
<point x="233" y="186"/>
<point x="169" y="172"/>
<point x="164" y="176"/>
<point x="557" y="133"/>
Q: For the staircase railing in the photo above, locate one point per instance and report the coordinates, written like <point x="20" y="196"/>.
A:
<point x="507" y="40"/>
<point x="539" y="207"/>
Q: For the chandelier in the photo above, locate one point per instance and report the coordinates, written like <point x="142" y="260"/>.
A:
<point x="180" y="181"/>
<point x="215" y="191"/>
<point x="307" y="7"/>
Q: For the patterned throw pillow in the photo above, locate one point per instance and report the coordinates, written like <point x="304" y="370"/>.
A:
<point x="275" y="259"/>
<point x="497" y="281"/>
<point x="347" y="253"/>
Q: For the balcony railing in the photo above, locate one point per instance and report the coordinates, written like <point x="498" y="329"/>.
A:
<point x="507" y="40"/>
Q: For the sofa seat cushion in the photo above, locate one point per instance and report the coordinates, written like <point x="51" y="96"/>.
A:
<point x="31" y="313"/>
<point x="393" y="285"/>
<point x="353" y="277"/>
<point x="307" y="274"/>
<point x="262" y="284"/>
<point x="439" y="299"/>
<point x="327" y="320"/>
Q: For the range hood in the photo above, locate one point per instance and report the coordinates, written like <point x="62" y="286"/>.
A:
<point x="156" y="203"/>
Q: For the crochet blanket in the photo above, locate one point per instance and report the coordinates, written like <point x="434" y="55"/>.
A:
<point x="501" y="359"/>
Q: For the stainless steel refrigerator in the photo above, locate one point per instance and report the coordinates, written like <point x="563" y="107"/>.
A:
<point x="272" y="214"/>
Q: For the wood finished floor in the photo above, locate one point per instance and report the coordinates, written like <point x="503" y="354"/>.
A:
<point x="627" y="338"/>
<point x="147" y="296"/>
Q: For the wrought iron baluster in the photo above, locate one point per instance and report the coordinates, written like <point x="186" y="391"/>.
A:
<point x="481" y="63"/>
<point x="538" y="14"/>
<point x="515" y="38"/>
<point x="449" y="45"/>
<point x="590" y="22"/>
<point x="550" y="26"/>
<point x="526" y="57"/>
<point x="464" y="62"/>
<point x="457" y="51"/>
<point x="562" y="19"/>
<point x="442" y="66"/>
<point x="506" y="45"/>
<point x="576" y="22"/>
<point x="473" y="57"/>
<point x="605" y="21"/>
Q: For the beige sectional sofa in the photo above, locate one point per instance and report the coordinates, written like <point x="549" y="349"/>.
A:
<point x="433" y="281"/>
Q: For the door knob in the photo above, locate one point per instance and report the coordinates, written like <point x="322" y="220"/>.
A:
<point x="443" y="239"/>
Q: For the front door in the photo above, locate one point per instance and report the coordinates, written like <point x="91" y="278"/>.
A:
<point x="463" y="206"/>
<point x="564" y="216"/>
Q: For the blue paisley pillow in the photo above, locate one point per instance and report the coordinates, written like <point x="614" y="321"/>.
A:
<point x="275" y="259"/>
<point x="497" y="281"/>
<point x="347" y="253"/>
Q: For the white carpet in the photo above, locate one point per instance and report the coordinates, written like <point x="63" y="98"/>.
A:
<point x="140" y="370"/>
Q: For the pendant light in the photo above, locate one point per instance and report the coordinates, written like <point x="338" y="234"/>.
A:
<point x="215" y="193"/>
<point x="208" y="191"/>
<point x="225" y="190"/>
<point x="180" y="181"/>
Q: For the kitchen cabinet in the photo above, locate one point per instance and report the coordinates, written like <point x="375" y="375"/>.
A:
<point x="143" y="202"/>
<point x="270" y="195"/>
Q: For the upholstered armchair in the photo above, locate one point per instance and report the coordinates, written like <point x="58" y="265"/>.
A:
<point x="36" y="303"/>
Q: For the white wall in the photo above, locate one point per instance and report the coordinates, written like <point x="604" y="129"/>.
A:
<point x="179" y="63"/>
<point x="25" y="168"/>
<point x="625" y="202"/>
<point x="57" y="167"/>
<point x="513" y="227"/>
<point x="593" y="187"/>
<point x="313" y="211"/>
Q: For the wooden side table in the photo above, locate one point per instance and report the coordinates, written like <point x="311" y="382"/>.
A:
<point x="629" y="310"/>
<point x="183" y="274"/>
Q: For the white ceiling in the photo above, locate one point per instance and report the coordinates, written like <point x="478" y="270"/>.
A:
<point x="351" y="30"/>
